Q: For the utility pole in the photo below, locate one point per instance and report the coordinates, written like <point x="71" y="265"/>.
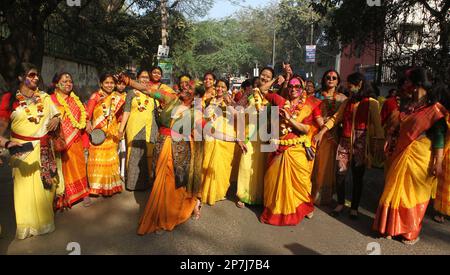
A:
<point x="164" y="22"/>
<point x="312" y="39"/>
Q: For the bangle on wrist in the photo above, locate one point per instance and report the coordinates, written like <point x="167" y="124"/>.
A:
<point x="6" y="144"/>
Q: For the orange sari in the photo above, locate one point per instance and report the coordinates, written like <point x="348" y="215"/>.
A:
<point x="103" y="163"/>
<point x="73" y="162"/>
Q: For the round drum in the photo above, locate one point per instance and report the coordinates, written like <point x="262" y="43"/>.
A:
<point x="97" y="137"/>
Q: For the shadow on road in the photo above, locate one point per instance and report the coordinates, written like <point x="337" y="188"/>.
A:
<point x="7" y="215"/>
<point x="298" y="249"/>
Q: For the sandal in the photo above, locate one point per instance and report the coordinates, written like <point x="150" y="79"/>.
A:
<point x="336" y="213"/>
<point x="412" y="242"/>
<point x="439" y="219"/>
<point x="240" y="204"/>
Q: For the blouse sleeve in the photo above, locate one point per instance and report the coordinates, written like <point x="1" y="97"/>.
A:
<point x="275" y="99"/>
<point x="5" y="111"/>
<point x="91" y="105"/>
<point x="438" y="131"/>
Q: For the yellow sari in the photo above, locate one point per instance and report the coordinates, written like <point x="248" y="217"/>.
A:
<point x="217" y="161"/>
<point x="250" y="183"/>
<point x="103" y="163"/>
<point x="32" y="202"/>
<point x="287" y="182"/>
<point x="408" y="183"/>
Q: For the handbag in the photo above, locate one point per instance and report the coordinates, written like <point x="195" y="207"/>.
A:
<point x="58" y="140"/>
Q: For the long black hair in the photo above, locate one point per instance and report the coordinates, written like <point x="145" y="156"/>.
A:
<point x="367" y="88"/>
<point x="419" y="77"/>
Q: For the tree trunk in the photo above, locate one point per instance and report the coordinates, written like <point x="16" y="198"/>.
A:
<point x="444" y="60"/>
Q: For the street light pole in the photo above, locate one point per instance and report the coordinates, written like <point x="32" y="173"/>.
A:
<point x="273" y="49"/>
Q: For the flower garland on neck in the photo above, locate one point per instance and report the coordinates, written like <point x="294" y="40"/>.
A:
<point x="76" y="124"/>
<point x="141" y="107"/>
<point x="109" y="113"/>
<point x="40" y="107"/>
<point x="294" y="110"/>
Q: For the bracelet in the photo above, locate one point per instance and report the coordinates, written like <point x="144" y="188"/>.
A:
<point x="6" y="144"/>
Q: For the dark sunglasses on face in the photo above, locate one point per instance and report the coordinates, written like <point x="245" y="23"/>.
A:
<point x="33" y="75"/>
<point x="331" y="77"/>
<point x="294" y="86"/>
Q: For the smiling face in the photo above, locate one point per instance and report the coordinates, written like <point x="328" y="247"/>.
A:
<point x="221" y="88"/>
<point x="265" y="77"/>
<point x="31" y="80"/>
<point x="295" y="88"/>
<point x="65" y="84"/>
<point x="208" y="82"/>
<point x="144" y="77"/>
<point x="108" y="85"/>
<point x="156" y="75"/>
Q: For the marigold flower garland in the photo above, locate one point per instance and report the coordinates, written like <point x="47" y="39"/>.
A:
<point x="141" y="107"/>
<point x="107" y="113"/>
<point x="76" y="124"/>
<point x="40" y="106"/>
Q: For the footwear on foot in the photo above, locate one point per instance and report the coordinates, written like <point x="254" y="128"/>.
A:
<point x="354" y="214"/>
<point x="439" y="219"/>
<point x="337" y="211"/>
<point x="411" y="242"/>
<point x="240" y="204"/>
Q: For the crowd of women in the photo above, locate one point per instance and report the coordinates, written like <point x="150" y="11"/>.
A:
<point x="64" y="151"/>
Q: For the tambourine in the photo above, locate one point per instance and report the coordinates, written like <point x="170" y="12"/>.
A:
<point x="97" y="137"/>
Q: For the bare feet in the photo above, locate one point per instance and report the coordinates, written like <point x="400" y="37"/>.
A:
<point x="87" y="202"/>
<point x="197" y="210"/>
<point x="310" y="215"/>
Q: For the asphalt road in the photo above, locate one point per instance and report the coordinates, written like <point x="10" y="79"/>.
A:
<point x="109" y="227"/>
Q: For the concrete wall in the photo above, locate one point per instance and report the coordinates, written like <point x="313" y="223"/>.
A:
<point x="85" y="76"/>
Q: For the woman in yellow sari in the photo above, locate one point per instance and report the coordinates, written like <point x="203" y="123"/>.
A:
<point x="73" y="124"/>
<point x="287" y="182"/>
<point x="140" y="123"/>
<point x="252" y="164"/>
<point x="409" y="179"/>
<point x="32" y="115"/>
<point x="219" y="148"/>
<point x="104" y="109"/>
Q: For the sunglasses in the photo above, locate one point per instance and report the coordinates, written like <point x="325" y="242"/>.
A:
<point x="33" y="75"/>
<point x="331" y="77"/>
<point x="294" y="86"/>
